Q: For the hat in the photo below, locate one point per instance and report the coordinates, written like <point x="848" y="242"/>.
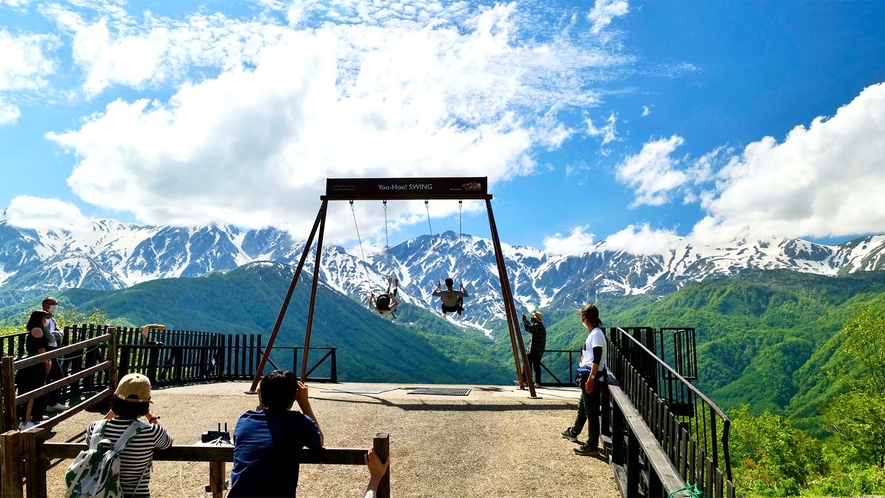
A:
<point x="589" y="310"/>
<point x="134" y="387"/>
<point x="538" y="316"/>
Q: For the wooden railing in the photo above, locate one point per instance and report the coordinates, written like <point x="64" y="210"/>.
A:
<point x="694" y="441"/>
<point x="10" y="401"/>
<point x="24" y="456"/>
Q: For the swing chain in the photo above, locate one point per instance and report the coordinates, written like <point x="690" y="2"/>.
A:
<point x="460" y="242"/>
<point x="429" y="225"/>
<point x="386" y="238"/>
<point x="353" y="210"/>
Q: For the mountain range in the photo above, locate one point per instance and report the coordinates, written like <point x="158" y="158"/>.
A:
<point x="108" y="255"/>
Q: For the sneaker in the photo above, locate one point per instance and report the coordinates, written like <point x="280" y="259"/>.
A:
<point x="22" y="427"/>
<point x="571" y="436"/>
<point x="58" y="407"/>
<point x="585" y="450"/>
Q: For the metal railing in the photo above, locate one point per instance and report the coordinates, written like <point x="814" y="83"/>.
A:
<point x="691" y="429"/>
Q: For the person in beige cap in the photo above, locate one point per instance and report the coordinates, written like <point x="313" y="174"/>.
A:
<point x="593" y="381"/>
<point x="539" y="343"/>
<point x="132" y="399"/>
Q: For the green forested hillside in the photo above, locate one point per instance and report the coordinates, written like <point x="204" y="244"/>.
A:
<point x="766" y="339"/>
<point x="419" y="348"/>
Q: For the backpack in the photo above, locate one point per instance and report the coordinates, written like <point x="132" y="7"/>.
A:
<point x="95" y="472"/>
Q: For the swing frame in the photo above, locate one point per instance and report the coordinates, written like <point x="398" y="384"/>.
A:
<point x="384" y="189"/>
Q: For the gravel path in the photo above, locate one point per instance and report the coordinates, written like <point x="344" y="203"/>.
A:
<point x="496" y="442"/>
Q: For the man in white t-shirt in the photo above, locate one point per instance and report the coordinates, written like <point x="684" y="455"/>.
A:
<point x="53" y="335"/>
<point x="592" y="379"/>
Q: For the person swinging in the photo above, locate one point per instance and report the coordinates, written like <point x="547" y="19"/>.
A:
<point x="452" y="300"/>
<point x="386" y="303"/>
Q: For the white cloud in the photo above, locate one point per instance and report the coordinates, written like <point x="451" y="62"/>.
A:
<point x="826" y="180"/>
<point x="607" y="132"/>
<point x="23" y="65"/>
<point x="9" y="113"/>
<point x="113" y="49"/>
<point x="15" y="4"/>
<point x="27" y="211"/>
<point x="653" y="172"/>
<point x="575" y="243"/>
<point x="645" y="111"/>
<point x="460" y="94"/>
<point x="642" y="240"/>
<point x="604" y="11"/>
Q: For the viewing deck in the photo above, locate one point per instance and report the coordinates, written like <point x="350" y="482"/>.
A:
<point x="494" y="442"/>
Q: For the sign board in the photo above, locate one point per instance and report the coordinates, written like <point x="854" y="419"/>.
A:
<point x="406" y="188"/>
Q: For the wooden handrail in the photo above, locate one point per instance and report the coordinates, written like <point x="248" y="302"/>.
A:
<point x="55" y="353"/>
<point x="15" y="446"/>
<point x="64" y="381"/>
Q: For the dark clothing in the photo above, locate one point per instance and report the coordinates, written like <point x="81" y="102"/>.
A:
<point x="535" y="365"/>
<point x="589" y="408"/>
<point x="267" y="452"/>
<point x="458" y="308"/>
<point x="32" y="378"/>
<point x="539" y="336"/>
<point x="55" y="373"/>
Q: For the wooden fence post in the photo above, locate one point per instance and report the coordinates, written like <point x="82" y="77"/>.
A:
<point x="334" y="366"/>
<point x="216" y="479"/>
<point x="8" y="387"/>
<point x="11" y="473"/>
<point x="381" y="444"/>
<point x="35" y="468"/>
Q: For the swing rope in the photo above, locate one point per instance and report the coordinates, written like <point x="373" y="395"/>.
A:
<point x="386" y="239"/>
<point x="352" y="210"/>
<point x="427" y="206"/>
<point x="460" y="242"/>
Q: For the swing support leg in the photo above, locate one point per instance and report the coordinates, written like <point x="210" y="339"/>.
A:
<point x="510" y="308"/>
<point x="321" y="215"/>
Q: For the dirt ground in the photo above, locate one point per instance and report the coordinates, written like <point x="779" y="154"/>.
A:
<point x="495" y="442"/>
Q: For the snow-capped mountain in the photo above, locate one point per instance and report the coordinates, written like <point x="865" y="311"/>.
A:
<point x="113" y="255"/>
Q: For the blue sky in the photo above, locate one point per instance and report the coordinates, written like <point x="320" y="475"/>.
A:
<point x="616" y="124"/>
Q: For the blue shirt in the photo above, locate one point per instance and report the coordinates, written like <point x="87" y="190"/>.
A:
<point x="267" y="452"/>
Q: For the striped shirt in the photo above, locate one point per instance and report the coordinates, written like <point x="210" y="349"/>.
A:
<point x="137" y="456"/>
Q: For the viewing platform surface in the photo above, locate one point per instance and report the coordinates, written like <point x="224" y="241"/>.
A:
<point x="494" y="442"/>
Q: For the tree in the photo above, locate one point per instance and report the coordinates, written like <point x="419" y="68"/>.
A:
<point x="856" y="418"/>
<point x="770" y="456"/>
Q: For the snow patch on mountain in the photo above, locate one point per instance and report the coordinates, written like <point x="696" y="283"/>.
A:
<point x="108" y="254"/>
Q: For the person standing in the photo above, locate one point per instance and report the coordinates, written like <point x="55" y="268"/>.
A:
<point x="538" y="344"/>
<point x="53" y="335"/>
<point x="452" y="300"/>
<point x="268" y="440"/>
<point x="33" y="377"/>
<point x="593" y="380"/>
